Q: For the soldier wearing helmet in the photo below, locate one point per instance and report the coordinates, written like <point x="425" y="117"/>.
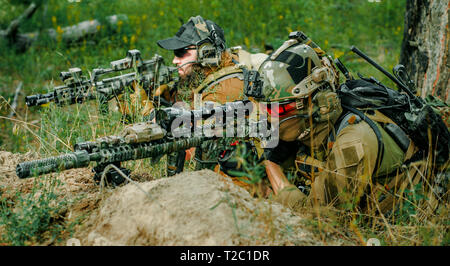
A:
<point x="208" y="71"/>
<point x="332" y="150"/>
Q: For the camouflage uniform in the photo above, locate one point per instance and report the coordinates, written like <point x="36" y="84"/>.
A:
<point x="334" y="151"/>
<point x="339" y="170"/>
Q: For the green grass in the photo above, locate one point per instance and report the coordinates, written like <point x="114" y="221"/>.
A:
<point x="35" y="216"/>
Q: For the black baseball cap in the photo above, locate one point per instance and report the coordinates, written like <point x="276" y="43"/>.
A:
<point x="187" y="35"/>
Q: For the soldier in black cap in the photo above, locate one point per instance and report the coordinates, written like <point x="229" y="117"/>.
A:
<point x="208" y="72"/>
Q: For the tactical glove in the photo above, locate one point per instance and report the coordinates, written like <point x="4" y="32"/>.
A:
<point x="291" y="197"/>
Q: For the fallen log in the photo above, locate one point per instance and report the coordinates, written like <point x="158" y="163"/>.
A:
<point x="16" y="98"/>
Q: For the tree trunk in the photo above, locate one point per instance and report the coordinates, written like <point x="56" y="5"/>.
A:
<point x="425" y="48"/>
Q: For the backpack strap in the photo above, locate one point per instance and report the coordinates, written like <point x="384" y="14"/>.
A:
<point x="393" y="130"/>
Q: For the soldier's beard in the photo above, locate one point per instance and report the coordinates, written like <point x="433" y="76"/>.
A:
<point x="187" y="84"/>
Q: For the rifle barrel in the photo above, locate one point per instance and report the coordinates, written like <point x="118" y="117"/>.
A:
<point x="38" y="99"/>
<point x="49" y="165"/>
<point x="112" y="154"/>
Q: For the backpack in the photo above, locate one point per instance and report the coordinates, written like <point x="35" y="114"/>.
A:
<point x="423" y="126"/>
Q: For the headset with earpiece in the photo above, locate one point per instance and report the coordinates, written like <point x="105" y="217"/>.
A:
<point x="211" y="46"/>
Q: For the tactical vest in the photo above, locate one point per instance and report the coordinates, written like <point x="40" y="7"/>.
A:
<point x="244" y="58"/>
<point x="214" y="79"/>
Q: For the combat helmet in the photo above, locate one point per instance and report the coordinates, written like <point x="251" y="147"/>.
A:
<point x="296" y="70"/>
<point x="300" y="77"/>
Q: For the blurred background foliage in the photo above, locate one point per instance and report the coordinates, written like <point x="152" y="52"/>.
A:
<point x="375" y="27"/>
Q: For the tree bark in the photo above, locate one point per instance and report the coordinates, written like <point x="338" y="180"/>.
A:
<point x="425" y="47"/>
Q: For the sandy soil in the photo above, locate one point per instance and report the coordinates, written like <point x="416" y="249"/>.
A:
<point x="191" y="208"/>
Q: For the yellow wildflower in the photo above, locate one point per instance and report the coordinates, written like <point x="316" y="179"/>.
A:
<point x="338" y="53"/>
